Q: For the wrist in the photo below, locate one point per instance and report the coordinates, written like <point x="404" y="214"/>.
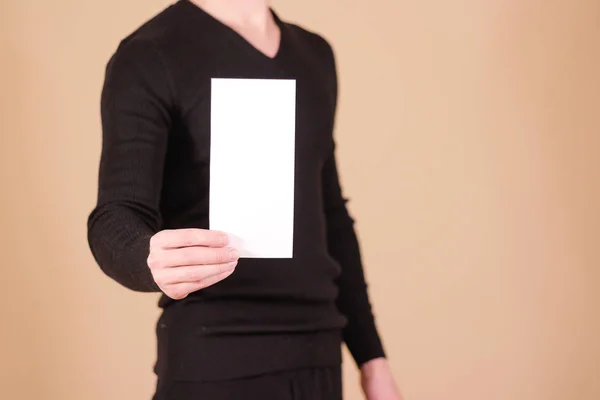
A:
<point x="374" y="367"/>
<point x="378" y="381"/>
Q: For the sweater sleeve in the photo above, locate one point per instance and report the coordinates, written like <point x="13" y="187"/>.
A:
<point x="360" y="335"/>
<point x="135" y="104"/>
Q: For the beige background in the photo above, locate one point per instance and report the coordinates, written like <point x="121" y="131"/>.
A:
<point x="469" y="135"/>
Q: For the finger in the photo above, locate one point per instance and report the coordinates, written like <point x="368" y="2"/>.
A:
<point x="182" y="290"/>
<point x="177" y="238"/>
<point x="188" y="256"/>
<point x="194" y="273"/>
<point x="211" y="280"/>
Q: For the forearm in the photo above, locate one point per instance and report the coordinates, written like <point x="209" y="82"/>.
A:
<point x="360" y="335"/>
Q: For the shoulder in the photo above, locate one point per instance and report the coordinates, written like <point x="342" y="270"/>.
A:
<point x="139" y="63"/>
<point x="158" y="30"/>
<point x="315" y="42"/>
<point x="147" y="51"/>
<point x="157" y="38"/>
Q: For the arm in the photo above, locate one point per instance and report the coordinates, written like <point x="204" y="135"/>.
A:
<point x="135" y="103"/>
<point x="360" y="335"/>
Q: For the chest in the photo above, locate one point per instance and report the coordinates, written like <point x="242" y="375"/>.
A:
<point x="314" y="100"/>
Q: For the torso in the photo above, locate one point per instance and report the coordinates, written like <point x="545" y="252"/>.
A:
<point x="258" y="297"/>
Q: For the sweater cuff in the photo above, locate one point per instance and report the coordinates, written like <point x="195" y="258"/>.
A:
<point x="363" y="342"/>
<point x="141" y="278"/>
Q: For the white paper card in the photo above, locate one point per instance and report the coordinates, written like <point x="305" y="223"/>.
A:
<point x="252" y="158"/>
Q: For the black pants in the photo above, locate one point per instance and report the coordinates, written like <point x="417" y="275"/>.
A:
<point x="303" y="384"/>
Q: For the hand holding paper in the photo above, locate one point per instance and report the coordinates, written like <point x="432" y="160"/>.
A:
<point x="183" y="261"/>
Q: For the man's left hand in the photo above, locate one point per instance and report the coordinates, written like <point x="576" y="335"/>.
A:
<point x="378" y="382"/>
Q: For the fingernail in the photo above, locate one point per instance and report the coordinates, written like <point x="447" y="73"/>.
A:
<point x="224" y="239"/>
<point x="232" y="264"/>
<point x="233" y="255"/>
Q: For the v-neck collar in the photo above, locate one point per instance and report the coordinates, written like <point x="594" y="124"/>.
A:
<point x="236" y="36"/>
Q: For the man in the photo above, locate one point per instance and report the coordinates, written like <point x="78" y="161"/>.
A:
<point x="231" y="328"/>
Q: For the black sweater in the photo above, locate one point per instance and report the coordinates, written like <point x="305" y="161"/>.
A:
<point x="270" y="314"/>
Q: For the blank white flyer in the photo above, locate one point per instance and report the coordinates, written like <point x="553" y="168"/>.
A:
<point x="252" y="160"/>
